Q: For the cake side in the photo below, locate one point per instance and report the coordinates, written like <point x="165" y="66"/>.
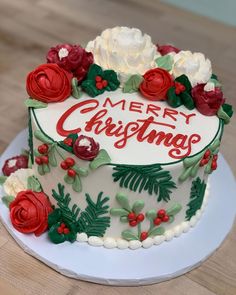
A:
<point x="122" y="138"/>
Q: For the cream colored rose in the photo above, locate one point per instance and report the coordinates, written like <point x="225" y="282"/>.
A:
<point x="194" y="65"/>
<point x="125" y="50"/>
<point x="17" y="182"/>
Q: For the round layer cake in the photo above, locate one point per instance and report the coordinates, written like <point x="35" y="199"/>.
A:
<point x="122" y="136"/>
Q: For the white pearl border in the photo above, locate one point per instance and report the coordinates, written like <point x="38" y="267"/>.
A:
<point x="111" y="243"/>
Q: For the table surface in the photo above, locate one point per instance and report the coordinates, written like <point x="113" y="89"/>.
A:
<point x="27" y="30"/>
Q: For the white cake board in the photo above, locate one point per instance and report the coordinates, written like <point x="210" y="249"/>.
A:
<point x="142" y="266"/>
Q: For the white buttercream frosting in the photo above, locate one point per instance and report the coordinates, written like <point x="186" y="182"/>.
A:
<point x="194" y="65"/>
<point x="63" y="52"/>
<point x="124" y="50"/>
<point x="17" y="182"/>
<point x="210" y="86"/>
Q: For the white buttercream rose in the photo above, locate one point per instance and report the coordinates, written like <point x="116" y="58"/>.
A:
<point x="17" y="182"/>
<point x="124" y="50"/>
<point x="194" y="65"/>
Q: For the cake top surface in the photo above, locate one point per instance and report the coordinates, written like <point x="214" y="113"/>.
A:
<point x="138" y="100"/>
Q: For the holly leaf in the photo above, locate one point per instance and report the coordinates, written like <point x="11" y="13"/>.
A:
<point x="165" y="62"/>
<point x="102" y="159"/>
<point x="225" y="113"/>
<point x="111" y="77"/>
<point x="36" y="104"/>
<point x="187" y="100"/>
<point x="172" y="99"/>
<point x="132" y="84"/>
<point x="183" y="79"/>
<point x="94" y="70"/>
<point x="151" y="214"/>
<point x="174" y="209"/>
<point x="7" y="200"/>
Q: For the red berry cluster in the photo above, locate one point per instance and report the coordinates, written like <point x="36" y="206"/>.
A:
<point x="68" y="141"/>
<point x="43" y="150"/>
<point x="67" y="164"/>
<point x="62" y="229"/>
<point x="179" y="88"/>
<point x="100" y="83"/>
<point x="161" y="217"/>
<point x="206" y="158"/>
<point x="135" y="219"/>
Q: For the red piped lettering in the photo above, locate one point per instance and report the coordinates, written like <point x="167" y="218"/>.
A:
<point x="153" y="109"/>
<point x="187" y="116"/>
<point x="111" y="104"/>
<point x="170" y="113"/>
<point x="135" y="106"/>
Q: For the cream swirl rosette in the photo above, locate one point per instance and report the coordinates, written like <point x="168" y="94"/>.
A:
<point x="17" y="182"/>
<point x="194" y="65"/>
<point x="124" y="50"/>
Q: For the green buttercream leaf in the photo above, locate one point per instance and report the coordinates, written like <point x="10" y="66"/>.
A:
<point x="40" y="170"/>
<point x="138" y="206"/>
<point x="76" y="90"/>
<point x="172" y="99"/>
<point x="101" y="159"/>
<point x="187" y="100"/>
<point x="58" y="238"/>
<point x="73" y="136"/>
<point x="171" y="219"/>
<point x="165" y="62"/>
<point x="52" y="157"/>
<point x="216" y="82"/>
<point x="213" y="76"/>
<point x="34" y="184"/>
<point x="183" y="79"/>
<point x="123" y="201"/>
<point x="42" y="137"/>
<point x="80" y="170"/>
<point x="46" y="168"/>
<point x="174" y="209"/>
<point x="77" y="186"/>
<point x="194" y="170"/>
<point x="132" y="84"/>
<point x="36" y="104"/>
<point x="208" y="169"/>
<point x="188" y="162"/>
<point x="196" y="197"/>
<point x="2" y="179"/>
<point x="29" y="162"/>
<point x="129" y="235"/>
<point x="215" y="145"/>
<point x="7" y="200"/>
<point x="124" y="219"/>
<point x="225" y="113"/>
<point x="68" y="179"/>
<point x="185" y="174"/>
<point x="89" y="87"/>
<point x="156" y="231"/>
<point x="118" y="212"/>
<point x="111" y="77"/>
<point x="151" y="214"/>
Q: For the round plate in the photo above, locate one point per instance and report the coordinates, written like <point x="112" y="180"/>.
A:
<point x="142" y="266"/>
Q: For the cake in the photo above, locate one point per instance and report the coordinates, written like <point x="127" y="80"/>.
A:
<point x="122" y="138"/>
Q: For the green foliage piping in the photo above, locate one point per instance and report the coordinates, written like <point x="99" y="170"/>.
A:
<point x="93" y="221"/>
<point x="150" y="178"/>
<point x="196" y="197"/>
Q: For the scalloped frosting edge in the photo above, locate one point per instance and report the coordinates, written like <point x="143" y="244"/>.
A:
<point x="111" y="243"/>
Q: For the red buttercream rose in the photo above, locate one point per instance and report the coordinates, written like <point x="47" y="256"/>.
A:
<point x="165" y="49"/>
<point x="13" y="164"/>
<point x="86" y="148"/>
<point x="156" y="84"/>
<point x="49" y="83"/>
<point x="207" y="102"/>
<point x="72" y="58"/>
<point x="29" y="212"/>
